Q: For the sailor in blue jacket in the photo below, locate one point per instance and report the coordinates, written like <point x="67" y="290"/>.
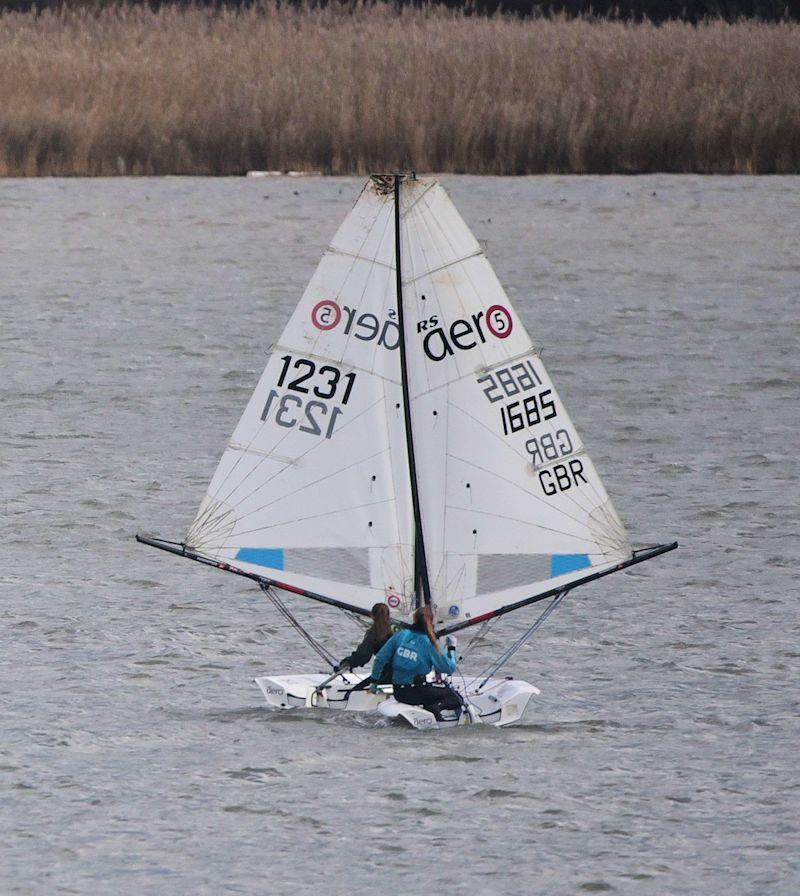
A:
<point x="413" y="652"/>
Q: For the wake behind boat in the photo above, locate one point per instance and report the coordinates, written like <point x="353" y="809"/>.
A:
<point x="406" y="445"/>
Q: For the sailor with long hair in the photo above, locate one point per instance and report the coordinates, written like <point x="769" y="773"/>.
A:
<point x="374" y="638"/>
<point x="412" y="653"/>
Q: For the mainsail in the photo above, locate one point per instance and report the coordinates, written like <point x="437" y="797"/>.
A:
<point x="405" y="398"/>
<point x="512" y="505"/>
<point x="312" y="490"/>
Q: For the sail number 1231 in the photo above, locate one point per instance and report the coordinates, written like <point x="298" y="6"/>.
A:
<point x="326" y="379"/>
<point x="303" y="376"/>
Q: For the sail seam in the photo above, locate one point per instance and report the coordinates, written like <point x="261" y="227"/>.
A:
<point x="338" y="360"/>
<point x="418" y="199"/>
<point x="316" y="516"/>
<point x="356" y="257"/>
<point x="442" y="267"/>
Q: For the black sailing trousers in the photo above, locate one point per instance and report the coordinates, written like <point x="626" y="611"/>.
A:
<point x="433" y="697"/>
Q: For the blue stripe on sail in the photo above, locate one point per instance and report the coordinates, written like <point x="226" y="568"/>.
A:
<point x="271" y="557"/>
<point x="560" y="564"/>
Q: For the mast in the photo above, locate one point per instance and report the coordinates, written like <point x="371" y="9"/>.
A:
<point x="422" y="587"/>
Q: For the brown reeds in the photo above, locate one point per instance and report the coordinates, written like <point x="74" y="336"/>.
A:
<point x="197" y="91"/>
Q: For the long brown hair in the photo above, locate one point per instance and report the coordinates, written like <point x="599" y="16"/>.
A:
<point x="380" y="622"/>
<point x="423" y="622"/>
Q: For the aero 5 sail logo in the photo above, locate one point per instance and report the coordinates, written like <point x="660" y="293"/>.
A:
<point x="327" y="315"/>
<point x="464" y="334"/>
<point x="438" y="340"/>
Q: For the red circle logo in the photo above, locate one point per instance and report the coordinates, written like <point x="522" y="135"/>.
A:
<point x="393" y="600"/>
<point x="499" y="322"/>
<point x="326" y="314"/>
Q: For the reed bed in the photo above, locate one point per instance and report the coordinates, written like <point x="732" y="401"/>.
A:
<point x="129" y="90"/>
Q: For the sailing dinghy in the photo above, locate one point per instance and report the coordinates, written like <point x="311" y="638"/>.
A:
<point x="406" y="445"/>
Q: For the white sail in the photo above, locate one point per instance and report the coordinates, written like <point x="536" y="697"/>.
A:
<point x="314" y="491"/>
<point x="511" y="502"/>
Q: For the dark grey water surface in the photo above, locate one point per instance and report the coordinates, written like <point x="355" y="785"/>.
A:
<point x="135" y="753"/>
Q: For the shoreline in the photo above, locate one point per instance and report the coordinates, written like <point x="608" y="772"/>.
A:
<point x="200" y="92"/>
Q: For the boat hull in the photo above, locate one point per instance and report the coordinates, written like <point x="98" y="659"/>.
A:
<point x="499" y="702"/>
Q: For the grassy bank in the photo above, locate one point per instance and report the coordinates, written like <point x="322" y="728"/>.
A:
<point x="194" y="91"/>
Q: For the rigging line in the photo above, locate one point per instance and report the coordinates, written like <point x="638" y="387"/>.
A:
<point x="455" y="584"/>
<point x="495" y="668"/>
<point x="316" y="516"/>
<point x="526" y="354"/>
<point x="420" y="558"/>
<point x="325" y="654"/>
<point x="360" y="621"/>
<point x="481" y="633"/>
<point x="347" y="275"/>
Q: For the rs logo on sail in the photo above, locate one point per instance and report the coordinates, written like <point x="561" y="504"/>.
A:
<point x="464" y="333"/>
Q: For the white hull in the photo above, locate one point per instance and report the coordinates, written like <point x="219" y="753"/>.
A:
<point x="500" y="702"/>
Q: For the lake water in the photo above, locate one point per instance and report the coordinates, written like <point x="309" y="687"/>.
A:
<point x="136" y="755"/>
